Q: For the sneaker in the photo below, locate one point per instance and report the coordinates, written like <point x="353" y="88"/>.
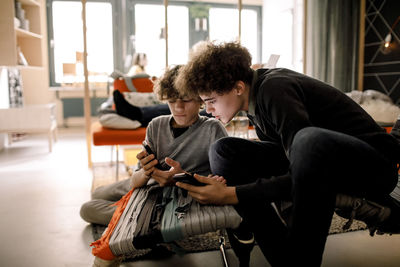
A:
<point x="373" y="214"/>
<point x="396" y="129"/>
<point x="242" y="243"/>
<point x="98" y="262"/>
<point x="392" y="225"/>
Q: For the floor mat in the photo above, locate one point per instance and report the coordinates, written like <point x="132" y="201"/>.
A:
<point x="104" y="173"/>
<point x="199" y="243"/>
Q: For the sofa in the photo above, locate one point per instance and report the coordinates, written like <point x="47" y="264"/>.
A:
<point x="106" y="136"/>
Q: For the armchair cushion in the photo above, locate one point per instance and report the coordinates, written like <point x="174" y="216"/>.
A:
<point x="141" y="99"/>
<point x="115" y="121"/>
<point x="103" y="136"/>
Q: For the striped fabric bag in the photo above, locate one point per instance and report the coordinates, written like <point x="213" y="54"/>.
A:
<point x="184" y="217"/>
<point x="153" y="215"/>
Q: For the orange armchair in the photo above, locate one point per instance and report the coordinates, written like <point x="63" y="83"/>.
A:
<point x="103" y="136"/>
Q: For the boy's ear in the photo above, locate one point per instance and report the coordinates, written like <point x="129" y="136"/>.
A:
<point x="240" y="87"/>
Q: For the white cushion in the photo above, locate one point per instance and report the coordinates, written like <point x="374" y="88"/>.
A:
<point x="141" y="99"/>
<point x="381" y="110"/>
<point x="113" y="120"/>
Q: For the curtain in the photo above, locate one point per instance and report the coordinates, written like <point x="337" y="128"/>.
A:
<point x="332" y="42"/>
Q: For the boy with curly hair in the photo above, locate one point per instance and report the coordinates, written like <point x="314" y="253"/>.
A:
<point x="177" y="141"/>
<point x="315" y="143"/>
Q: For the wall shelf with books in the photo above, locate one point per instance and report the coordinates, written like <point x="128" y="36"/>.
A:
<point x="30" y="2"/>
<point x="23" y="45"/>
<point x="22" y="40"/>
<point x="26" y="34"/>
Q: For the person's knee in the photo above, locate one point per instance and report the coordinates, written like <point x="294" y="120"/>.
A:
<point x="309" y="140"/>
<point x="223" y="148"/>
<point x="308" y="153"/>
<point x="97" y="211"/>
<point x="103" y="193"/>
<point x="86" y="211"/>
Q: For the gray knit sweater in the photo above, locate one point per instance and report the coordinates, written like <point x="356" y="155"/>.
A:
<point x="190" y="149"/>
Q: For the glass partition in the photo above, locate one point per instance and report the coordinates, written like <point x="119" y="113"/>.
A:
<point x="67" y="42"/>
<point x="190" y="22"/>
<point x="129" y="27"/>
<point x="126" y="29"/>
<point x="282" y="34"/>
<point x="148" y="35"/>
<point x="178" y="34"/>
<point x="251" y="28"/>
<point x="222" y="24"/>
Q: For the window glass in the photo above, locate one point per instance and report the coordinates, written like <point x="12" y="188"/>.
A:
<point x="150" y="39"/>
<point x="143" y="32"/>
<point x="222" y="28"/>
<point x="150" y="36"/>
<point x="224" y="24"/>
<point x="178" y="34"/>
<point x="68" y="41"/>
<point x="249" y="33"/>
<point x="283" y="32"/>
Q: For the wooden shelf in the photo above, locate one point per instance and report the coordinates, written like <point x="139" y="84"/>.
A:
<point x="29" y="67"/>
<point x="29" y="2"/>
<point x="31" y="43"/>
<point x="24" y="33"/>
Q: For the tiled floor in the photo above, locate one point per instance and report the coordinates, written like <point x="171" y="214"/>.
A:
<point x="40" y="197"/>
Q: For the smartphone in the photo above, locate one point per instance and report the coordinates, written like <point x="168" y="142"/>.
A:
<point x="149" y="151"/>
<point x="187" y="178"/>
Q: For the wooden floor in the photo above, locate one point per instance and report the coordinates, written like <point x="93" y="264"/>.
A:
<point x="40" y="198"/>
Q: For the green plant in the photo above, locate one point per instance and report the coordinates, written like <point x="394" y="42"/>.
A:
<point x="199" y="11"/>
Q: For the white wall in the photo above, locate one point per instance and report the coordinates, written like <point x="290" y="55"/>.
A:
<point x="4" y="99"/>
<point x="4" y="94"/>
<point x="2" y="140"/>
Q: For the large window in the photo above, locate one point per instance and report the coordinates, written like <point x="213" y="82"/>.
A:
<point x="221" y="28"/>
<point x="188" y="23"/>
<point x="67" y="42"/>
<point x="149" y="36"/>
<point x="117" y="29"/>
<point x="221" y="24"/>
<point x="178" y="34"/>
<point x="283" y="32"/>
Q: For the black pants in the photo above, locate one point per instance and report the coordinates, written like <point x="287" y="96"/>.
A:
<point x="321" y="164"/>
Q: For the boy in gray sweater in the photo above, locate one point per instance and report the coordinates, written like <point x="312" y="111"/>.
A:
<point x="179" y="141"/>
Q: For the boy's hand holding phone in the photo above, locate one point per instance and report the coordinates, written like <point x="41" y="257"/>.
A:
<point x="187" y="178"/>
<point x="148" y="161"/>
<point x="215" y="190"/>
<point x="153" y="168"/>
<point x="150" y="152"/>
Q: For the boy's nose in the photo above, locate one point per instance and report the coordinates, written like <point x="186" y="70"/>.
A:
<point x="208" y="109"/>
<point x="180" y="104"/>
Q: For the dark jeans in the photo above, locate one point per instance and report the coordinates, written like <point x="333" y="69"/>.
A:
<point x="150" y="112"/>
<point x="321" y="164"/>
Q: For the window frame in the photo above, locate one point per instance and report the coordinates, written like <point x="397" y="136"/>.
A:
<point x="50" y="34"/>
<point x="123" y="19"/>
<point x="258" y="9"/>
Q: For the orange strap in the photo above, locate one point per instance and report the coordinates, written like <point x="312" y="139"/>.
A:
<point x="101" y="247"/>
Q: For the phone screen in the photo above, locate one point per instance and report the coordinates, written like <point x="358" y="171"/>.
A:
<point x="187" y="178"/>
<point x="147" y="147"/>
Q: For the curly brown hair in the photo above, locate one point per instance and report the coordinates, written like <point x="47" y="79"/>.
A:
<point x="215" y="68"/>
<point x="165" y="85"/>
